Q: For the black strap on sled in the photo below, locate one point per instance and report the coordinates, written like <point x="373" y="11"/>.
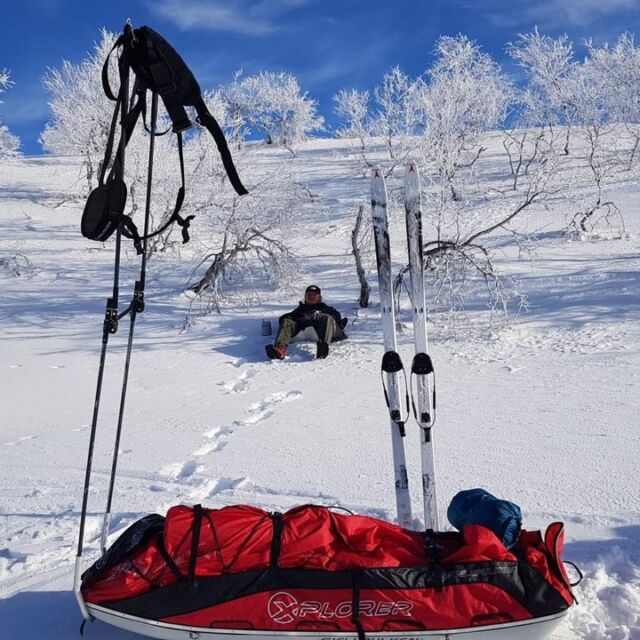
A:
<point x="355" y="605"/>
<point x="195" y="539"/>
<point x="435" y="567"/>
<point x="276" y="540"/>
<point x="173" y="567"/>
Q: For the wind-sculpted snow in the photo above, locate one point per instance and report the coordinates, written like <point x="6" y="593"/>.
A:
<point x="542" y="411"/>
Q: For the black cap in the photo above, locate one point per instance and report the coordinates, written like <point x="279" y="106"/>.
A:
<point x="312" y="289"/>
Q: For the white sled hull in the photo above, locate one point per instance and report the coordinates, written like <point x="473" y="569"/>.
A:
<point x="537" y="629"/>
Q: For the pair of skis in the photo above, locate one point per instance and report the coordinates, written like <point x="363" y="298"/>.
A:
<point x="393" y="373"/>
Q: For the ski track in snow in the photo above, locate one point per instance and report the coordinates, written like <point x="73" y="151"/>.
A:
<point x="19" y="441"/>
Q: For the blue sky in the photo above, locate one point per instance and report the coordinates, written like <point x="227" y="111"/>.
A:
<point x="327" y="44"/>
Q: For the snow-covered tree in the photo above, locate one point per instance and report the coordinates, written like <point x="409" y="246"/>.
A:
<point x="591" y="99"/>
<point x="81" y="118"/>
<point x="596" y="109"/>
<point x="273" y="104"/>
<point x="527" y="138"/>
<point x="241" y="240"/>
<point x="238" y="99"/>
<point x="618" y="74"/>
<point x="9" y="143"/>
<point x="80" y="112"/>
<point x="395" y="116"/>
<point x="550" y="67"/>
<point x="443" y="117"/>
<point x="464" y="99"/>
<point x="465" y="94"/>
<point x="352" y="107"/>
<point x="391" y="116"/>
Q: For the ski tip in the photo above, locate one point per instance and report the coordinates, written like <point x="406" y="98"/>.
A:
<point x="412" y="177"/>
<point x="375" y="173"/>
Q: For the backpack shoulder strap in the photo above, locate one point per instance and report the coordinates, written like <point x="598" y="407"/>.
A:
<point x="207" y="120"/>
<point x="105" y="70"/>
<point x="185" y="223"/>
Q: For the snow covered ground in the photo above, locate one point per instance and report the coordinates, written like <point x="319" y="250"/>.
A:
<point x="543" y="412"/>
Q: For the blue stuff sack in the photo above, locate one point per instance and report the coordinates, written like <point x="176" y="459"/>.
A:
<point x="477" y="506"/>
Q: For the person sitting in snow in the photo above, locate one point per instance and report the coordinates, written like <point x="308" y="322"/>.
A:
<point x="325" y="320"/>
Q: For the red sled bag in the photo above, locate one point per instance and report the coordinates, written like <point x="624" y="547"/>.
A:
<point x="310" y="568"/>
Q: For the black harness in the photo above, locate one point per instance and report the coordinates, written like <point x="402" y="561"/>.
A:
<point x="159" y="69"/>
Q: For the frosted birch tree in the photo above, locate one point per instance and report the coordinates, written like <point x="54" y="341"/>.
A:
<point x="597" y="107"/>
<point x="465" y="98"/>
<point x="617" y="68"/>
<point x="352" y="109"/>
<point x="243" y="243"/>
<point x="550" y="67"/>
<point x="9" y="143"/>
<point x="273" y="104"/>
<point x="80" y="112"/>
<point x="465" y="94"/>
<point x="390" y="118"/>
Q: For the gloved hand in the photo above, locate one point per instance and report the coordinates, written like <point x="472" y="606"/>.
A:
<point x="343" y="322"/>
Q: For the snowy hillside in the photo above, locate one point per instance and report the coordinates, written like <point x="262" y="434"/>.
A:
<point x="542" y="411"/>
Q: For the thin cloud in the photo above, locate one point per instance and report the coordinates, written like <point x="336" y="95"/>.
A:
<point x="334" y="59"/>
<point x="24" y="105"/>
<point x="562" y="14"/>
<point x="243" y="17"/>
<point x="328" y="71"/>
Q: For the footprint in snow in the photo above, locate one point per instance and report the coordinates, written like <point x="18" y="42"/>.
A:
<point x="275" y="399"/>
<point x="262" y="410"/>
<point x="218" y="437"/>
<point x="218" y="432"/>
<point x="12" y="558"/>
<point x="241" y="384"/>
<point x="209" y="448"/>
<point x="181" y="470"/>
<point x="258" y="417"/>
<point x="226" y="484"/>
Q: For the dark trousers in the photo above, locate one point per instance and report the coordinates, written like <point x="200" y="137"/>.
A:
<point x="324" y="325"/>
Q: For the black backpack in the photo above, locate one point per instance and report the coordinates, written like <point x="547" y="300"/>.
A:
<point x="158" y="68"/>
